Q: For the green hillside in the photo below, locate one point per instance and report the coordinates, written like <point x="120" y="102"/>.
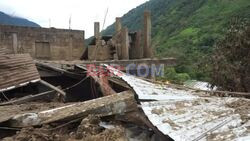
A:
<point x="187" y="29"/>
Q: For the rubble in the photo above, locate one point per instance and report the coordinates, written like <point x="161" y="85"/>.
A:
<point x="152" y="109"/>
<point x="89" y="129"/>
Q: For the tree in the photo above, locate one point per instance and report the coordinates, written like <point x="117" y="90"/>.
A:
<point x="231" y="60"/>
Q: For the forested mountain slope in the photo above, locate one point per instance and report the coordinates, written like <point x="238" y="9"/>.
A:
<point x="187" y="29"/>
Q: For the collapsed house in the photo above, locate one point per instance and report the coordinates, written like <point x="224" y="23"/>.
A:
<point x="57" y="99"/>
<point x="163" y="112"/>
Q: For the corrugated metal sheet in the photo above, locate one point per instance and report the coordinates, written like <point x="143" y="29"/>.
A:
<point x="199" y="85"/>
<point x="190" y="116"/>
<point x="17" y="70"/>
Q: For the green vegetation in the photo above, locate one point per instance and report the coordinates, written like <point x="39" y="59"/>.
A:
<point x="187" y="29"/>
<point x="171" y="75"/>
<point x="230" y="69"/>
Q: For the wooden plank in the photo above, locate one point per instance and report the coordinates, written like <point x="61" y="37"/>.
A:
<point x="105" y="106"/>
<point x="9" y="111"/>
<point x="45" y="96"/>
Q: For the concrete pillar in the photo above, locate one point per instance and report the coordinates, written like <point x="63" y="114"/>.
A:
<point x="14" y="36"/>
<point x="97" y="30"/>
<point x="135" y="50"/>
<point x="138" y="48"/>
<point x="83" y="35"/>
<point x="125" y="44"/>
<point x="118" y="25"/>
<point x="70" y="49"/>
<point x="147" y="50"/>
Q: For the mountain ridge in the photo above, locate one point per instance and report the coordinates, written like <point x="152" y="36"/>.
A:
<point x="6" y="19"/>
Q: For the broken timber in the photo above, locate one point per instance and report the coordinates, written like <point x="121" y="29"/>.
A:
<point x="45" y="96"/>
<point x="116" y="104"/>
<point x="56" y="68"/>
<point x="53" y="87"/>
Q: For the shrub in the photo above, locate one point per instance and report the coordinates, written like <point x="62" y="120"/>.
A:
<point x="231" y="60"/>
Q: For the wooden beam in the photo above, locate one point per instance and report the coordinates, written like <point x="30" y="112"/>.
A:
<point x="105" y="106"/>
<point x="53" y="87"/>
<point x="45" y="96"/>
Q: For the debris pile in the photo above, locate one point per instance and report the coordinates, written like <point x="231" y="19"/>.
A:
<point x="62" y="102"/>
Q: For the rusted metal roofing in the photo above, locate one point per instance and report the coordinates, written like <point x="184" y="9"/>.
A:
<point x="17" y="70"/>
<point x="185" y="115"/>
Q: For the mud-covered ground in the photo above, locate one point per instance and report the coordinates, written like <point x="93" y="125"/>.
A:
<point x="90" y="128"/>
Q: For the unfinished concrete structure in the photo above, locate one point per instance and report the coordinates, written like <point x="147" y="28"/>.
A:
<point x="123" y="45"/>
<point x="147" y="51"/>
<point x="42" y="43"/>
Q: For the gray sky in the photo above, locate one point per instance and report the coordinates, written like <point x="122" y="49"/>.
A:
<point x="83" y="12"/>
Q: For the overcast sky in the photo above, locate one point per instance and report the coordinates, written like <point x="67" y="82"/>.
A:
<point x="83" y="12"/>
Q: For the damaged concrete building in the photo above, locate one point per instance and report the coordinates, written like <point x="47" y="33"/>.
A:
<point x="42" y="43"/>
<point x="47" y="93"/>
<point x="123" y="45"/>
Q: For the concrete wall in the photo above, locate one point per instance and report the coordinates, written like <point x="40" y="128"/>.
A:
<point x="42" y="43"/>
<point x="99" y="53"/>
